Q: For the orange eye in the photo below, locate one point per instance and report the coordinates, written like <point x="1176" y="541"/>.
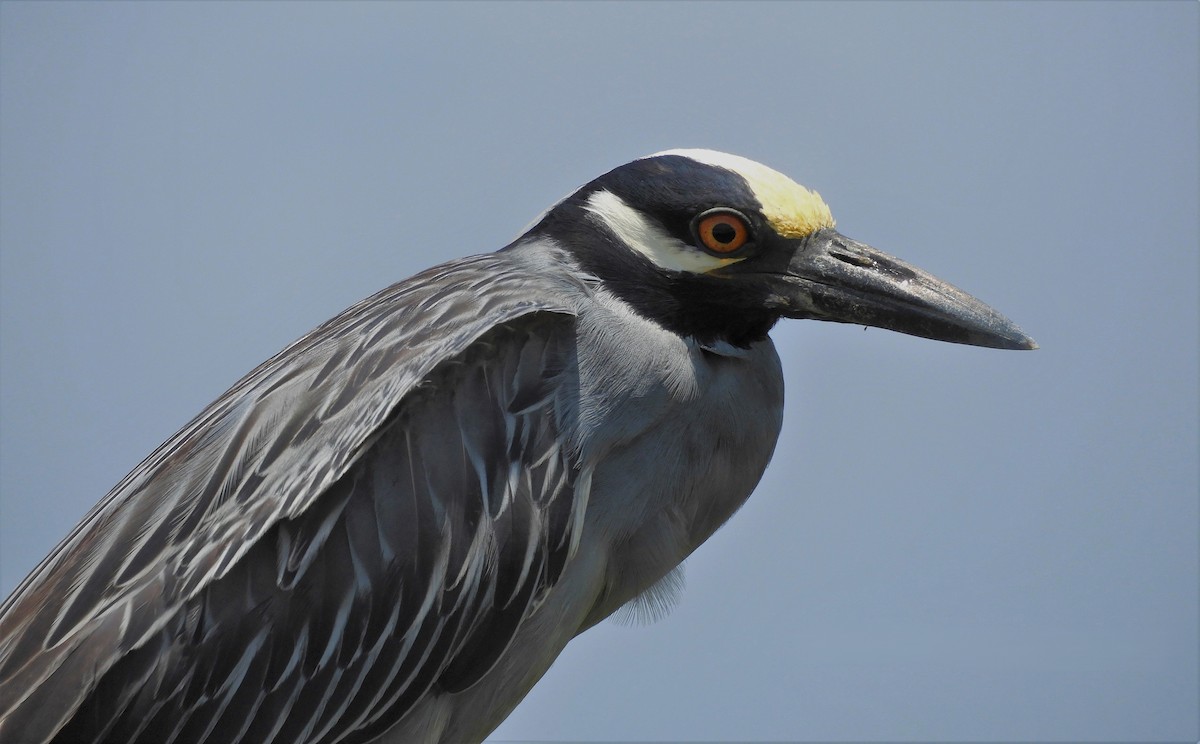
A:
<point x="722" y="232"/>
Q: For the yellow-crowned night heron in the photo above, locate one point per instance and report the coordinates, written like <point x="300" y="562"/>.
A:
<point x="389" y="530"/>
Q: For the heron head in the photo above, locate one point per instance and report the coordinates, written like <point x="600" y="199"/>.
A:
<point x="716" y="246"/>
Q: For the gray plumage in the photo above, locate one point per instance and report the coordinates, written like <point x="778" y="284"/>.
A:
<point x="390" y="529"/>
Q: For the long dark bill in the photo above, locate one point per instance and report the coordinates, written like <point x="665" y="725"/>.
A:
<point x="832" y="277"/>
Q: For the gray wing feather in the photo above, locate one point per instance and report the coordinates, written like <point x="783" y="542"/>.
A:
<point x="350" y="524"/>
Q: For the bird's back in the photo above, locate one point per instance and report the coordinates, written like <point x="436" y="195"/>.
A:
<point x="263" y="475"/>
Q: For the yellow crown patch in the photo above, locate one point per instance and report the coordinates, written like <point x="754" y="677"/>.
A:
<point x="792" y="210"/>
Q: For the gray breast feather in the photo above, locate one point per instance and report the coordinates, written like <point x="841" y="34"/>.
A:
<point x="342" y="519"/>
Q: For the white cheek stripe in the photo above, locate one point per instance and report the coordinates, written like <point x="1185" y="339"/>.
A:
<point x="643" y="236"/>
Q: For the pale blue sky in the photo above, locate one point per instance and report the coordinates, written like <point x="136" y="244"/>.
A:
<point x="952" y="543"/>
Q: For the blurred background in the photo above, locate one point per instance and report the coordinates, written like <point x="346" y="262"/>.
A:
<point x="951" y="544"/>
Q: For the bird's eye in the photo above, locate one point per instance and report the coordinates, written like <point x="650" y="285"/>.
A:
<point x="722" y="231"/>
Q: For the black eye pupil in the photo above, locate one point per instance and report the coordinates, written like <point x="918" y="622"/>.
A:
<point x="724" y="233"/>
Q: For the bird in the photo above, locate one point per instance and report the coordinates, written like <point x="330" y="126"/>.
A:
<point x="388" y="531"/>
